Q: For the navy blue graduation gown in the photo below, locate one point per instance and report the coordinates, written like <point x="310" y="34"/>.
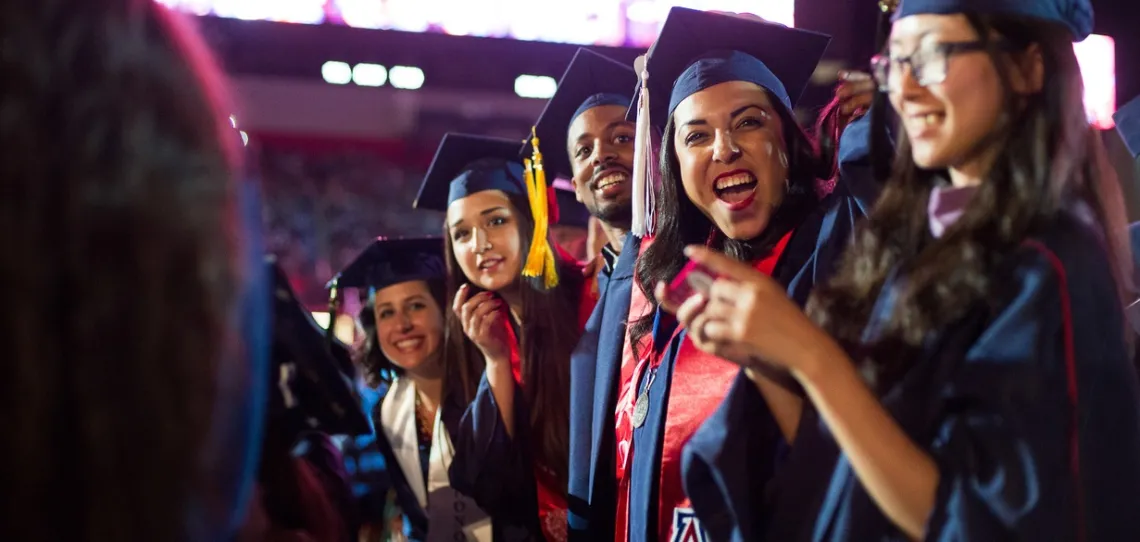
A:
<point x="1029" y="406"/>
<point x="495" y="470"/>
<point x="415" y="514"/>
<point x="730" y="461"/>
<point x="811" y="255"/>
<point x="499" y="472"/>
<point x="594" y="368"/>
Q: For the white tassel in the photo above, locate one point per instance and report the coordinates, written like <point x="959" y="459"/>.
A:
<point x="641" y="166"/>
<point x="652" y="179"/>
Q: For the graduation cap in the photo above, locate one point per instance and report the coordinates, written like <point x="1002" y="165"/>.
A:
<point x="1077" y="15"/>
<point x="1128" y="124"/>
<point x="391" y="261"/>
<point x="696" y="50"/>
<point x="571" y="212"/>
<point x="467" y="164"/>
<point x="591" y="80"/>
<point x="312" y="378"/>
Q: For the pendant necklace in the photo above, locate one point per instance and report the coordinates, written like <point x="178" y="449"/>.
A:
<point x="641" y="409"/>
<point x="423" y="420"/>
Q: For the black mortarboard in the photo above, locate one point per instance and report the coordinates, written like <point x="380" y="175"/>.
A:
<point x="571" y="212"/>
<point x="1128" y="124"/>
<point x="1077" y="15"/>
<point x="391" y="261"/>
<point x="466" y="164"/>
<point x="590" y="81"/>
<point x="311" y="378"/>
<point x="697" y="50"/>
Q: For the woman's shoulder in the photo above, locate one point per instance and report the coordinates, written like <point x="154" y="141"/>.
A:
<point x="1069" y="255"/>
<point x="1071" y="238"/>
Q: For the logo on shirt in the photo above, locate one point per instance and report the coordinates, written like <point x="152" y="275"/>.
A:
<point x="686" y="527"/>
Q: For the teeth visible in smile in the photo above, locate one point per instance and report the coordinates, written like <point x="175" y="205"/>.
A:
<point x="488" y="263"/>
<point x="408" y="344"/>
<point x="930" y="119"/>
<point x="735" y="180"/>
<point x="611" y="179"/>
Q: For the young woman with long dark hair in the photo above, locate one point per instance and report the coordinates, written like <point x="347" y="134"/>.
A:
<point x="736" y="173"/>
<point x="511" y="447"/>
<point x="970" y="359"/>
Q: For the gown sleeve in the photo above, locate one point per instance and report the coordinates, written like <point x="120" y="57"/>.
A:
<point x="1037" y="437"/>
<point x="491" y="467"/>
<point x="856" y="179"/>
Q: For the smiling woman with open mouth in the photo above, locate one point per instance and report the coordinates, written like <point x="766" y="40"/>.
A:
<point x="424" y="387"/>
<point x="740" y="176"/>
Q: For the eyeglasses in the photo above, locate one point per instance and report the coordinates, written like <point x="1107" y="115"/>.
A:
<point x="928" y="65"/>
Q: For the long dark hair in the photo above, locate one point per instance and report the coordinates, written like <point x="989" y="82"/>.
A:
<point x="1049" y="156"/>
<point x="681" y="223"/>
<point x="546" y="341"/>
<point x="458" y="378"/>
<point x="120" y="224"/>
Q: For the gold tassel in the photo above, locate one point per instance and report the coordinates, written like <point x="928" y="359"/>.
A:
<point x="540" y="259"/>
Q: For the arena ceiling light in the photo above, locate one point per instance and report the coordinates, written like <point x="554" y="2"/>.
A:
<point x="535" y="86"/>
<point x="369" y="75"/>
<point x="336" y="72"/>
<point x="406" y="77"/>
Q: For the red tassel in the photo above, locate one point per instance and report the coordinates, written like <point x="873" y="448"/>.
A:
<point x="552" y="204"/>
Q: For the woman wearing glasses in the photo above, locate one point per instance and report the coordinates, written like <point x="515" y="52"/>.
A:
<point x="969" y="361"/>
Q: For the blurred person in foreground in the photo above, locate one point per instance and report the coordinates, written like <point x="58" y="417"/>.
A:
<point x="137" y="319"/>
<point x="303" y="492"/>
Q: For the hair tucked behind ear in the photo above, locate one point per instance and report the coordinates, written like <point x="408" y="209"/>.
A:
<point x="120" y="227"/>
<point x="1049" y="156"/>
<point x="681" y="223"/>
